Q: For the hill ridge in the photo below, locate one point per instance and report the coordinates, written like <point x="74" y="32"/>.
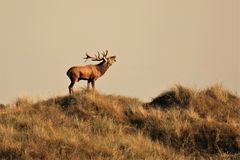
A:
<point x="182" y="123"/>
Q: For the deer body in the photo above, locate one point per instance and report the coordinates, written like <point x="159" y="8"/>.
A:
<point x="90" y="72"/>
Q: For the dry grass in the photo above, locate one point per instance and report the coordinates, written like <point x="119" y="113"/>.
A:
<point x="179" y="124"/>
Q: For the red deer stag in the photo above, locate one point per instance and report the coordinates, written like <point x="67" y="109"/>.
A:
<point x="90" y="72"/>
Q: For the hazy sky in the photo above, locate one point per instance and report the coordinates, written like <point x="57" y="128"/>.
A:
<point x="158" y="43"/>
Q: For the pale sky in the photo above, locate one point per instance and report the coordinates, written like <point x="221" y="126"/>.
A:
<point x="158" y="43"/>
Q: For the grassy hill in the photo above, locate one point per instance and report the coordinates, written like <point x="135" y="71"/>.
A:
<point x="182" y="123"/>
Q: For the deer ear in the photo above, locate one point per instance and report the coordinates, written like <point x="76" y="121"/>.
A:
<point x="106" y="51"/>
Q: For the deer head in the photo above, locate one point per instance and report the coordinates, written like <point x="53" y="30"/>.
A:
<point x="105" y="60"/>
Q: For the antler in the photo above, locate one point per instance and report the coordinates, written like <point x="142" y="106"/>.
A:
<point x="105" y="53"/>
<point x="96" y="58"/>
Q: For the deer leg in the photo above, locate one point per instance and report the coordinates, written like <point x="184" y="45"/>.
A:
<point x="70" y="87"/>
<point x="93" y="84"/>
<point x="88" y="85"/>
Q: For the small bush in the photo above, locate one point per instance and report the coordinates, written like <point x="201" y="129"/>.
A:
<point x="177" y="97"/>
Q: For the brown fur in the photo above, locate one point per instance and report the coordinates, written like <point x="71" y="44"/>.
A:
<point x="89" y="72"/>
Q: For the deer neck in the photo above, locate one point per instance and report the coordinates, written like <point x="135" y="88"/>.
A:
<point x="102" y="67"/>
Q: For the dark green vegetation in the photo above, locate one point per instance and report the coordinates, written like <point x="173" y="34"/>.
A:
<point x="179" y="124"/>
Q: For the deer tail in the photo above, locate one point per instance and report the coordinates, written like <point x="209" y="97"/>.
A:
<point x="68" y="73"/>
